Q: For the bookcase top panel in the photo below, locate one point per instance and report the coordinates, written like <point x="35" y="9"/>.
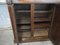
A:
<point x="36" y="1"/>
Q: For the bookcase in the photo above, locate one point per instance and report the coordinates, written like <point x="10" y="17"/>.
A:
<point x="32" y="21"/>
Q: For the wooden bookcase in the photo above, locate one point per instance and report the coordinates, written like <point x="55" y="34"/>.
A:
<point x="31" y="22"/>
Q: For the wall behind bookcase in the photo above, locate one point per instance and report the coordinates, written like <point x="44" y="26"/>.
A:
<point x="4" y="17"/>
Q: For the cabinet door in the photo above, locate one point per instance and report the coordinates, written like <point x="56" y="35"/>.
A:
<point x="55" y="32"/>
<point x="13" y="22"/>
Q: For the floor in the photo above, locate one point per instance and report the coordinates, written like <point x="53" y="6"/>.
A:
<point x="6" y="38"/>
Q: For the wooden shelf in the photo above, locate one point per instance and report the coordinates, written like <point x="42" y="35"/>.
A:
<point x="39" y="29"/>
<point x="43" y="11"/>
<point x="23" y="23"/>
<point x="24" y="30"/>
<point x="34" y="39"/>
<point x="23" y="11"/>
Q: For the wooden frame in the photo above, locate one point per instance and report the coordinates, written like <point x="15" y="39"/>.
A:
<point x="13" y="21"/>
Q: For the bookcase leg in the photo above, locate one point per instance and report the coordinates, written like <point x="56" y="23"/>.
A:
<point x="17" y="43"/>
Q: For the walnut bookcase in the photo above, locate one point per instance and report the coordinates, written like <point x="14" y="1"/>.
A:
<point x="31" y="22"/>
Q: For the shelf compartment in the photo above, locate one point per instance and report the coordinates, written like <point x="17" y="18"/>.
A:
<point x="42" y="25"/>
<point x="43" y="6"/>
<point x="42" y="15"/>
<point x="24" y="34"/>
<point x="41" y="33"/>
<point x="23" y="15"/>
<point x="22" y="6"/>
<point x="23" y="26"/>
<point x="42" y="20"/>
<point x="23" y="21"/>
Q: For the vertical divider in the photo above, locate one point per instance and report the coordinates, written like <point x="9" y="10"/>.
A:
<point x="32" y="20"/>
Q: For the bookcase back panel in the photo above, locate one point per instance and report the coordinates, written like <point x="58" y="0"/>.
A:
<point x="42" y="15"/>
<point x="22" y="6"/>
<point x="39" y="7"/>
